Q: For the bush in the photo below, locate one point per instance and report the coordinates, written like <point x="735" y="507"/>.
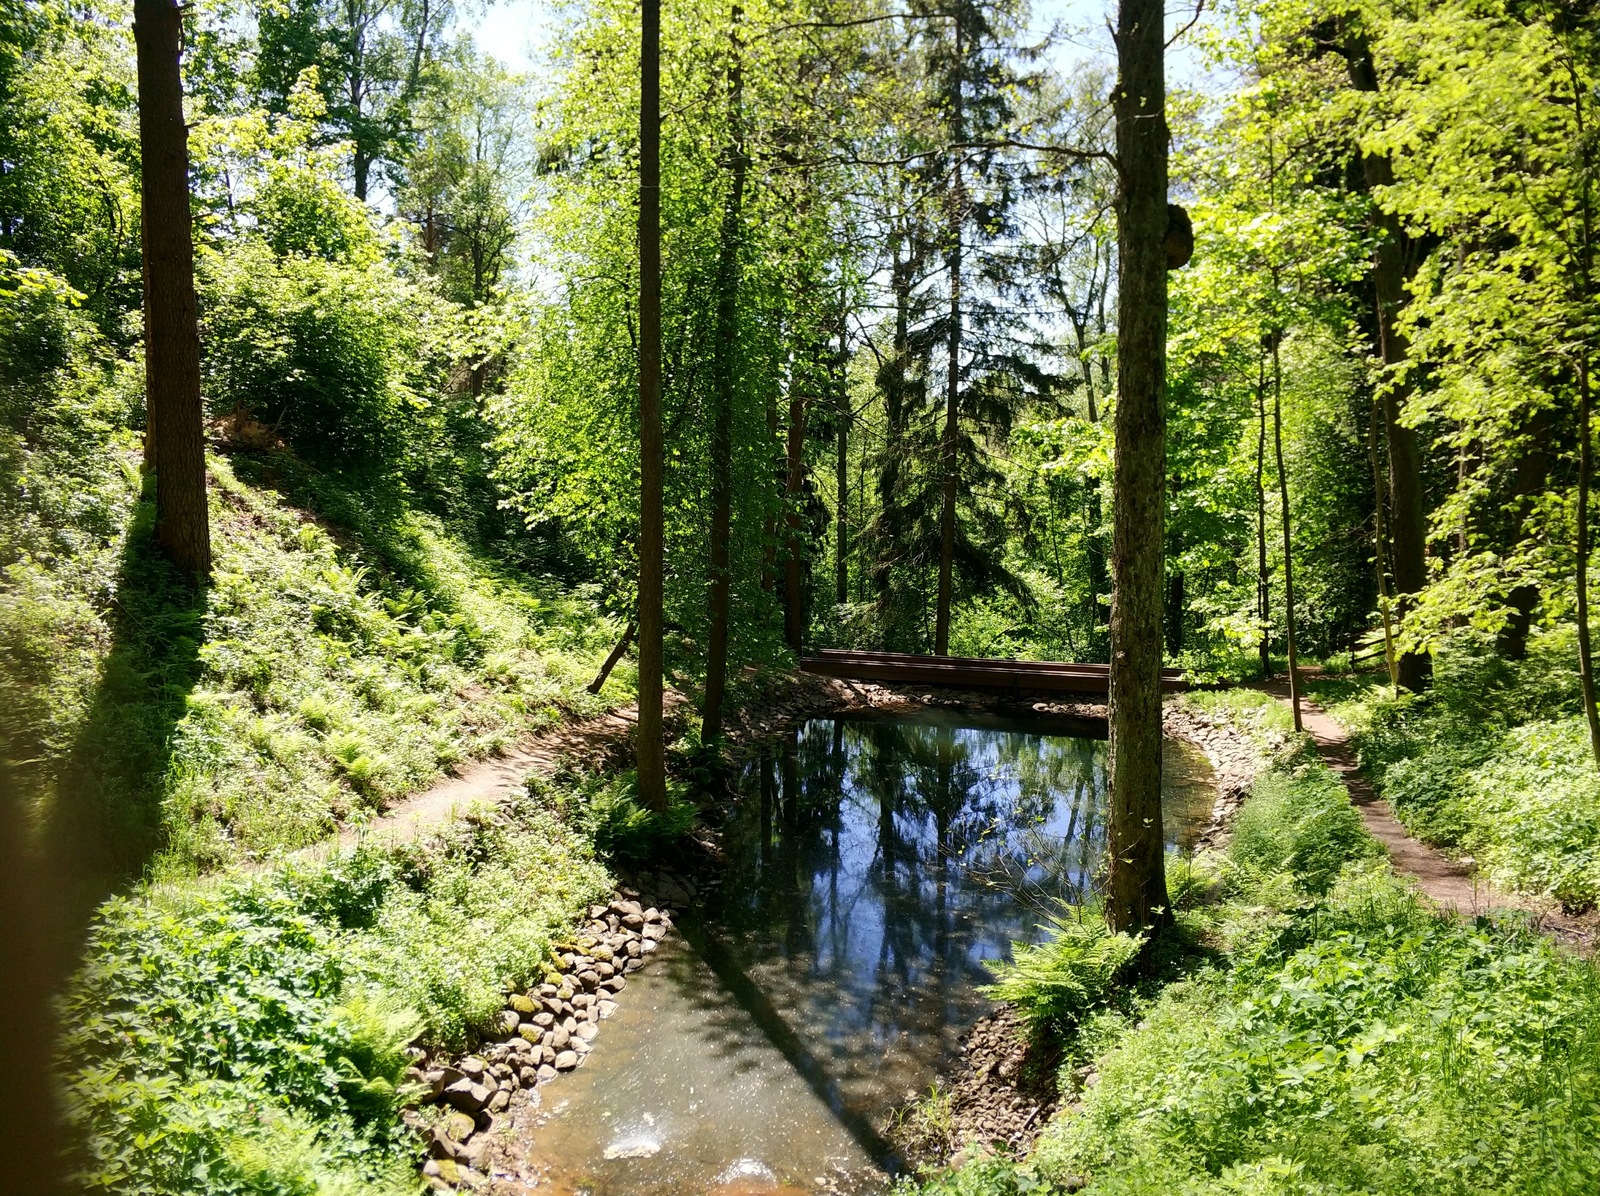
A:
<point x="1055" y="983"/>
<point x="248" y="1038"/>
<point x="1299" y="821"/>
<point x="606" y="807"/>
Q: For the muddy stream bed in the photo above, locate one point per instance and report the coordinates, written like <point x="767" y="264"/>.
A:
<point x="872" y="867"/>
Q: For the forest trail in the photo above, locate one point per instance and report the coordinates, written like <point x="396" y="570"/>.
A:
<point x="1448" y="884"/>
<point x="489" y="782"/>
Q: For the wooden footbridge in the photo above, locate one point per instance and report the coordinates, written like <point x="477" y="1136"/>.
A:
<point x="967" y="672"/>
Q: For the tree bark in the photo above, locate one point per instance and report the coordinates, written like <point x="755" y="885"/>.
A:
<point x="651" y="745"/>
<point x="841" y="563"/>
<point x="1136" y="889"/>
<point x="615" y="655"/>
<point x="794" y="602"/>
<point x="1585" y="479"/>
<point x="1380" y="547"/>
<point x="1391" y="270"/>
<point x="1288" y="544"/>
<point x="1263" y="578"/>
<point x="175" y="448"/>
<point x="949" y="438"/>
<point x="724" y="370"/>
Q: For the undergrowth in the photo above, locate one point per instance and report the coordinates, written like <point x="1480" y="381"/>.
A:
<point x="1493" y="761"/>
<point x="247" y="1036"/>
<point x="1336" y="1036"/>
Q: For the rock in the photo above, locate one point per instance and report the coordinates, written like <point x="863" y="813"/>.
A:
<point x="544" y="1020"/>
<point x="537" y="1055"/>
<point x="508" y="1020"/>
<point x="531" y="1033"/>
<point x="589" y="978"/>
<point x="616" y="984"/>
<point x="547" y="990"/>
<point x="626" y="907"/>
<point x="633" y="921"/>
<point x="433" y="1170"/>
<point x="500" y="1071"/>
<point x="499" y="1100"/>
<point x="597" y="911"/>
<point x="602" y="952"/>
<point x="587" y="1030"/>
<point x="655" y="931"/>
<point x="472" y="1067"/>
<point x="565" y="991"/>
<point x="466" y="1095"/>
<point x="632" y="949"/>
<point x="458" y="1126"/>
<point x="546" y="1073"/>
<point x="559" y="1038"/>
<point x="648" y="946"/>
<point x="566" y="1060"/>
<point x="529" y="1076"/>
<point x="606" y="1008"/>
<point x="583" y="1046"/>
<point x="582" y="1000"/>
<point x="652" y="914"/>
<point x="524" y="1004"/>
<point x="604" y="970"/>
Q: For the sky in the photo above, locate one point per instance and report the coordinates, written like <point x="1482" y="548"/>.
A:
<point x="515" y="31"/>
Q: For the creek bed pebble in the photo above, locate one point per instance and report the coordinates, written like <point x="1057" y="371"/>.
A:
<point x="541" y="1033"/>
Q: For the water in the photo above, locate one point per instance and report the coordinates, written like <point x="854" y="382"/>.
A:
<point x="873" y="866"/>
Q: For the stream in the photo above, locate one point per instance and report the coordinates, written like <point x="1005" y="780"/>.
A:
<point x="873" y="866"/>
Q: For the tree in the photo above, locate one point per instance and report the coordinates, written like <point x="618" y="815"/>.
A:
<point x="651" y="746"/>
<point x="175" y="435"/>
<point x="1136" y="887"/>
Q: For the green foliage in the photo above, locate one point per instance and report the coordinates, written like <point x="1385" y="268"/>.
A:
<point x="607" y="808"/>
<point x="1057" y="982"/>
<point x="249" y="1037"/>
<point x="1492" y="763"/>
<point x="1299" y="820"/>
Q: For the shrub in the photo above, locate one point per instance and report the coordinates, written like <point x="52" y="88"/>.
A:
<point x="1055" y="982"/>
<point x="607" y="808"/>
<point x="1299" y="821"/>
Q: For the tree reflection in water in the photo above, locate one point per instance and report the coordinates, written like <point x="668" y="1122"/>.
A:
<point x="873" y="866"/>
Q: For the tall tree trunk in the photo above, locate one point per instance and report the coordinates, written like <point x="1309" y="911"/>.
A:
<point x="1136" y="887"/>
<point x="1585" y="479"/>
<point x="892" y="382"/>
<point x="794" y="602"/>
<point x="724" y="370"/>
<point x="841" y="562"/>
<point x="651" y="745"/>
<point x="948" y="442"/>
<point x="175" y="447"/>
<point x="1288" y="545"/>
<point x="1391" y="269"/>
<point x="1380" y="545"/>
<point x="1263" y="577"/>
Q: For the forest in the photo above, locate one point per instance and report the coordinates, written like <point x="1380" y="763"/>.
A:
<point x="431" y="477"/>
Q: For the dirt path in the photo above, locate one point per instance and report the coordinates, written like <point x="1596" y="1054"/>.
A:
<point x="1448" y="884"/>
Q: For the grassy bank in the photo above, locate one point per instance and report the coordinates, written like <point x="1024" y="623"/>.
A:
<point x="246" y="1036"/>
<point x="1492" y="762"/>
<point x="1327" y="1034"/>
<point x="350" y="649"/>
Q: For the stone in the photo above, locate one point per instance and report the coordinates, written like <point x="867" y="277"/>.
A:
<point x="632" y="949"/>
<point x="524" y="1004"/>
<point x="634" y="964"/>
<point x="566" y="1060"/>
<point x="531" y="1033"/>
<point x="537" y="1055"/>
<point x="547" y="990"/>
<point x="606" y="1008"/>
<point x="529" y="1076"/>
<point x="652" y="914"/>
<point x="546" y="1073"/>
<point x="458" y="1126"/>
<point x="544" y="1020"/>
<point x="604" y="970"/>
<point x="466" y="1095"/>
<point x="432" y="1169"/>
<point x="627" y="907"/>
<point x="582" y="1000"/>
<point x="633" y="921"/>
<point x="564" y="993"/>
<point x="597" y="911"/>
<point x="472" y="1067"/>
<point x="559" y="1038"/>
<point x="500" y="1100"/>
<point x="583" y="1046"/>
<point x="589" y="979"/>
<point x="602" y="952"/>
<point x="587" y="1030"/>
<point x="654" y="932"/>
<point x="507" y="1021"/>
<point x="616" y="984"/>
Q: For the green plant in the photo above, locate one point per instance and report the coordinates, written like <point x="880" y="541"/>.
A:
<point x="610" y="813"/>
<point x="1055" y="982"/>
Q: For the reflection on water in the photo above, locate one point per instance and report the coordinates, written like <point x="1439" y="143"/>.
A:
<point x="872" y="868"/>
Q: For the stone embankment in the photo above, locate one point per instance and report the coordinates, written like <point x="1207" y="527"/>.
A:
<point x="541" y="1033"/>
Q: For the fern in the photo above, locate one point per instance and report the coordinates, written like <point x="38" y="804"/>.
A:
<point x="1054" y="983"/>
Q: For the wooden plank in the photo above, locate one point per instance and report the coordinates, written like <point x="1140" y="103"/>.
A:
<point x="971" y="672"/>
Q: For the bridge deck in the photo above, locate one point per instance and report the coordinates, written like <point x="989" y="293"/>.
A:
<point x="967" y="672"/>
